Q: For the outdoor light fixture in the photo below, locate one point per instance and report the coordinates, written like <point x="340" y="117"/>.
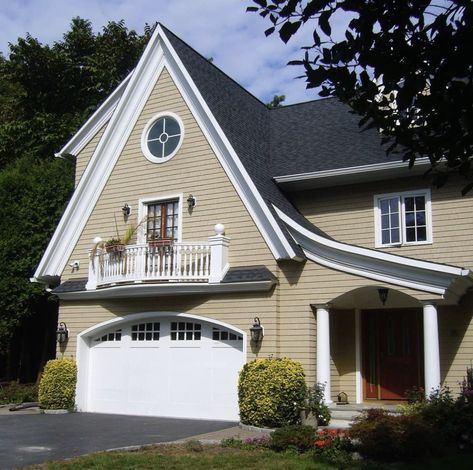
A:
<point x="257" y="331"/>
<point x="126" y="209"/>
<point x="191" y="200"/>
<point x="383" y="295"/>
<point x="62" y="333"/>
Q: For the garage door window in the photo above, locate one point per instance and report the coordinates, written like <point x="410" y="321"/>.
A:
<point x="224" y="335"/>
<point x="113" y="336"/>
<point x="145" y="331"/>
<point x="186" y="331"/>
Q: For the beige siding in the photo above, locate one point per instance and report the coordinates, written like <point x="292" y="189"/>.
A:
<point x="194" y="169"/>
<point x="456" y="342"/>
<point x="237" y="310"/>
<point x="84" y="156"/>
<point x="346" y="213"/>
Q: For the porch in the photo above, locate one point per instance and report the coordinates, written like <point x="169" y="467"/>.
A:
<point x="375" y="353"/>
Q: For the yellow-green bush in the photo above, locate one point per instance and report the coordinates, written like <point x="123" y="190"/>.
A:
<point x="271" y="392"/>
<point x="57" y="387"/>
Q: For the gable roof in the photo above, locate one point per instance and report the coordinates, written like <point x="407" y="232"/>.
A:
<point x="253" y="144"/>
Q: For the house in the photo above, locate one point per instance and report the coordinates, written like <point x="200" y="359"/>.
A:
<point x="350" y="261"/>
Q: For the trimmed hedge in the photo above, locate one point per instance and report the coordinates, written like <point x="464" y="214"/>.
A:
<point x="58" y="384"/>
<point x="271" y="392"/>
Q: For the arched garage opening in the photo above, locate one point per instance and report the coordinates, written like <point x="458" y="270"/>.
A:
<point x="161" y="364"/>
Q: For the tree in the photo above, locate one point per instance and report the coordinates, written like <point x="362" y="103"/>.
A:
<point x="276" y="102"/>
<point x="402" y="65"/>
<point x="46" y="93"/>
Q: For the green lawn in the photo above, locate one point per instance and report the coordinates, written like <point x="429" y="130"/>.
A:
<point x="195" y="457"/>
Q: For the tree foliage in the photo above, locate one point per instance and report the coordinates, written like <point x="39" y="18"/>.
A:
<point x="46" y="93"/>
<point x="402" y="65"/>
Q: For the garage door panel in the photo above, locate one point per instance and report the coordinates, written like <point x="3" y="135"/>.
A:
<point x="170" y="366"/>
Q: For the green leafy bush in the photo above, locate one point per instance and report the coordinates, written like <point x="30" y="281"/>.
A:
<point x="271" y="392"/>
<point x="385" y="437"/>
<point x="13" y="393"/>
<point x="58" y="384"/>
<point x="316" y="404"/>
<point x="295" y="436"/>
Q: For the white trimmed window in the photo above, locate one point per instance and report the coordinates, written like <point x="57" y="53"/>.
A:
<point x="162" y="137"/>
<point x="403" y="218"/>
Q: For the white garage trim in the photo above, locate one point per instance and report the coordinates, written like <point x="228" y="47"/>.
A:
<point x="84" y="342"/>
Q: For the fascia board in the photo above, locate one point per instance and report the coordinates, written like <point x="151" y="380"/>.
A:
<point x="244" y="185"/>
<point x="103" y="114"/>
<point x="102" y="162"/>
<point x="152" y="290"/>
<point x="417" y="274"/>
<point x="350" y="175"/>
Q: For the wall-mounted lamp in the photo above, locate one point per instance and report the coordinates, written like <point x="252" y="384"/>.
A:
<point x="256" y="331"/>
<point x="191" y="201"/>
<point x="62" y="333"/>
<point x="383" y="295"/>
<point x="126" y="209"/>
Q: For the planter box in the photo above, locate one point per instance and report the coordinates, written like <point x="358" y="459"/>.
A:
<point x="160" y="242"/>
<point x="115" y="248"/>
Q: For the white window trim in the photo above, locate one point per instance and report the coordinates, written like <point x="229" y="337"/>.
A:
<point x="142" y="213"/>
<point x="401" y="195"/>
<point x="144" y="137"/>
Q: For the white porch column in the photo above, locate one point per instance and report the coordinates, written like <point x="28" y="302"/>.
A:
<point x="323" y="350"/>
<point x="218" y="254"/>
<point x="93" y="267"/>
<point x="431" y="348"/>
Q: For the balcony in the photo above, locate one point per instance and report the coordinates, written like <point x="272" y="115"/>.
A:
<point x="172" y="262"/>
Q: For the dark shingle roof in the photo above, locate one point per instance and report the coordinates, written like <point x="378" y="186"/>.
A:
<point x="321" y="135"/>
<point x="71" y="285"/>
<point x="248" y="274"/>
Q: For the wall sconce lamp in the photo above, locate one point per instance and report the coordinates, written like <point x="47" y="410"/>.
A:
<point x="126" y="209"/>
<point x="383" y="295"/>
<point x="256" y="331"/>
<point x="191" y="200"/>
<point x="62" y="333"/>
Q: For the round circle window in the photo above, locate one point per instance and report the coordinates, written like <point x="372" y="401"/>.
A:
<point x="161" y="138"/>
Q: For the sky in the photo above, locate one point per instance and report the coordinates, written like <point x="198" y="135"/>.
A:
<point x="216" y="28"/>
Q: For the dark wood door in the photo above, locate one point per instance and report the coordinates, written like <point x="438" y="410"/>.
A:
<point x="391" y="353"/>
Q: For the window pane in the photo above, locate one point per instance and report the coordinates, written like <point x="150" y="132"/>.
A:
<point x="156" y="130"/>
<point x="384" y="206"/>
<point x="385" y="238"/>
<point x="410" y="219"/>
<point x="172" y="127"/>
<point x="410" y="234"/>
<point x="171" y="145"/>
<point x="394" y="204"/>
<point x="385" y="221"/>
<point x="395" y="236"/>
<point x="420" y="218"/>
<point x="420" y="203"/>
<point x="156" y="148"/>
<point x="409" y="203"/>
<point x="394" y="220"/>
<point x="421" y="234"/>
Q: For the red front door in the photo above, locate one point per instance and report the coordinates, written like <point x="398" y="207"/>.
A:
<point x="391" y="353"/>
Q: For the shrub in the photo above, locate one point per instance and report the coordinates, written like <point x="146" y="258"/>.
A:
<point x="13" y="393"/>
<point x="271" y="392"/>
<point x="295" y="436"/>
<point x="333" y="446"/>
<point x="382" y="436"/>
<point x="315" y="403"/>
<point x="58" y="384"/>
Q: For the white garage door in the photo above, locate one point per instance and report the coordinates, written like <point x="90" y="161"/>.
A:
<point x="166" y="366"/>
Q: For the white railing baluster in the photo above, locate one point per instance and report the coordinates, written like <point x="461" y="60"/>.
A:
<point x="190" y="261"/>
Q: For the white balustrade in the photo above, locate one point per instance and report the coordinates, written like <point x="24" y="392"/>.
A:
<point x="179" y="261"/>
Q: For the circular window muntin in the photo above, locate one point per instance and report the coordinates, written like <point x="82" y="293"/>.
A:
<point x="149" y="125"/>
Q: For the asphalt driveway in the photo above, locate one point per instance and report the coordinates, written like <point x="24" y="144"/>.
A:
<point x="36" y="438"/>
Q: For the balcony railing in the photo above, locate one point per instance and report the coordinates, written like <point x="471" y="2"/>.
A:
<point x="173" y="262"/>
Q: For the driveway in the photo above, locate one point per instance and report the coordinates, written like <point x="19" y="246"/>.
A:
<point x="35" y="438"/>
